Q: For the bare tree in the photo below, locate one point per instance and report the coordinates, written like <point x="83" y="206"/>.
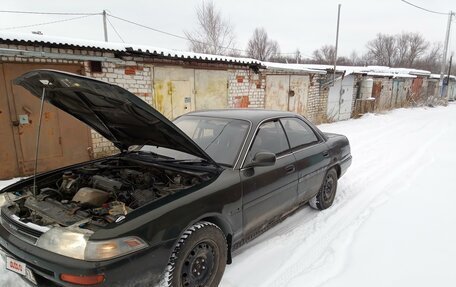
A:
<point x="324" y="55"/>
<point x="261" y="47"/>
<point x="382" y="50"/>
<point x="431" y="59"/>
<point x="410" y="47"/>
<point x="214" y="35"/>
<point x="417" y="47"/>
<point x="403" y="49"/>
<point x="354" y="58"/>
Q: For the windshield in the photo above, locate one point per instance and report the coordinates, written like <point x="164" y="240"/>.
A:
<point x="220" y="138"/>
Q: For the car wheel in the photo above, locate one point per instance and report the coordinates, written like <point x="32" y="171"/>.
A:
<point x="199" y="258"/>
<point x="327" y="192"/>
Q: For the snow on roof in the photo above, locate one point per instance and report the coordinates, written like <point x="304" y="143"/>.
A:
<point x="292" y="67"/>
<point x="150" y="50"/>
<point x="437" y="76"/>
<point x="381" y="71"/>
<point x="121" y="47"/>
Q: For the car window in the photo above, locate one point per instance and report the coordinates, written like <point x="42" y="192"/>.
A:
<point x="299" y="133"/>
<point x="270" y="137"/>
<point x="220" y="138"/>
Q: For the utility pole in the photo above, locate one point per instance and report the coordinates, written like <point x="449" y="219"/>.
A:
<point x="448" y="77"/>
<point x="445" y="51"/>
<point x="337" y="43"/>
<point x="105" y="26"/>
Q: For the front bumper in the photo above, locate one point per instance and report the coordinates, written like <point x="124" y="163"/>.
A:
<point x="144" y="268"/>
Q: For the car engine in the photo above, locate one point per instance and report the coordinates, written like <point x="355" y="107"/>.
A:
<point x="97" y="194"/>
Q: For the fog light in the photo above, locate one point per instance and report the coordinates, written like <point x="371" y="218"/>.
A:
<point x="83" y="279"/>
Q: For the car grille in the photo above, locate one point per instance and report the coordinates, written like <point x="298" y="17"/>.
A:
<point x="17" y="228"/>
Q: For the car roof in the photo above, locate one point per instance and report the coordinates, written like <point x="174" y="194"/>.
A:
<point x="252" y="115"/>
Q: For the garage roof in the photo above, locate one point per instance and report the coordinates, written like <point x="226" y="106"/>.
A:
<point x="120" y="48"/>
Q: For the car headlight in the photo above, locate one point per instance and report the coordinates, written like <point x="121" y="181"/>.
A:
<point x="2" y="199"/>
<point x="6" y="197"/>
<point x="75" y="243"/>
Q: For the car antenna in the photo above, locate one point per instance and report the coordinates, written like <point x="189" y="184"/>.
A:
<point x="37" y="147"/>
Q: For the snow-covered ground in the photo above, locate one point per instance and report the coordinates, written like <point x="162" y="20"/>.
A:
<point x="393" y="222"/>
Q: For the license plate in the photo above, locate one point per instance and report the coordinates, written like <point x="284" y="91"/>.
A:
<point x="20" y="268"/>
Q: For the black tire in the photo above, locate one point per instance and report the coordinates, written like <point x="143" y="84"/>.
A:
<point x="327" y="193"/>
<point x="199" y="258"/>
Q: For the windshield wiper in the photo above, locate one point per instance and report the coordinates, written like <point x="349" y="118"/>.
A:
<point x="151" y="153"/>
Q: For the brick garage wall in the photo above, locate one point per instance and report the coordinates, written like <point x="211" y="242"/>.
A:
<point x="133" y="76"/>
<point x="317" y="99"/>
<point x="246" y="89"/>
<point x="15" y="59"/>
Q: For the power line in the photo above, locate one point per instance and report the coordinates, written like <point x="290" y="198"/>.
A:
<point x="170" y="34"/>
<point x="150" y="28"/>
<point x="84" y="15"/>
<point x="47" y="13"/>
<point x="115" y="30"/>
<point x="182" y="37"/>
<point x="424" y="9"/>
<point x="45" y="23"/>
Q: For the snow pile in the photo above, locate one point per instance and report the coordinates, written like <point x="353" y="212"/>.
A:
<point x="392" y="223"/>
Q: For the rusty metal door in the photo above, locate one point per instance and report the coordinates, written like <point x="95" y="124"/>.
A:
<point x="64" y="140"/>
<point x="167" y="81"/>
<point x="181" y="99"/>
<point x="287" y="93"/>
<point x="376" y="93"/>
<point x="299" y="87"/>
<point x="277" y="96"/>
<point x="211" y="89"/>
<point x="416" y="95"/>
<point x="9" y="162"/>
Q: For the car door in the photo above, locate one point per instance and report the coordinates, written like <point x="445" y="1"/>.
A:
<point x="311" y="154"/>
<point x="268" y="191"/>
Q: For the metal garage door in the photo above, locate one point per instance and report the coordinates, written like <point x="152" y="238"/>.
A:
<point x="340" y="99"/>
<point x="64" y="140"/>
<point x="179" y="90"/>
<point x="211" y="88"/>
<point x="173" y="91"/>
<point x="287" y="93"/>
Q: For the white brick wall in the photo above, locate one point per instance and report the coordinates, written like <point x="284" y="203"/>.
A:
<point x="246" y="89"/>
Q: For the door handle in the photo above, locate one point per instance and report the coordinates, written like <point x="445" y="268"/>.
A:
<point x="290" y="168"/>
<point x="325" y="153"/>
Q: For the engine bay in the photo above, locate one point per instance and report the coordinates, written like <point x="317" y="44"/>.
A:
<point x="97" y="194"/>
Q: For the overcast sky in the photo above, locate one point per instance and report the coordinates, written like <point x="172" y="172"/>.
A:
<point x="302" y="24"/>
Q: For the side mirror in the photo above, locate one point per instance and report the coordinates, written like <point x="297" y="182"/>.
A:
<point x="262" y="158"/>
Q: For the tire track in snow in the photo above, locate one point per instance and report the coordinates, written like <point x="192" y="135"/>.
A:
<point x="322" y="239"/>
<point x="338" y="233"/>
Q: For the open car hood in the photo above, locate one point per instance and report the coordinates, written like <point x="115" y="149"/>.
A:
<point x="115" y="113"/>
